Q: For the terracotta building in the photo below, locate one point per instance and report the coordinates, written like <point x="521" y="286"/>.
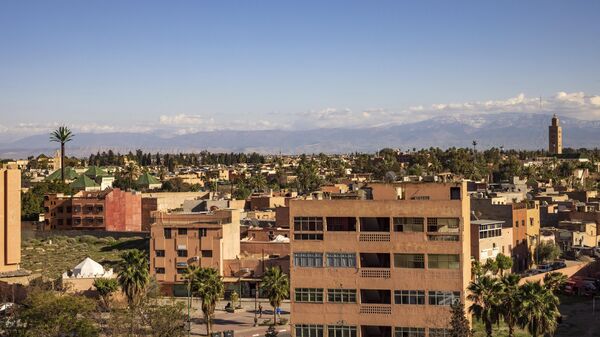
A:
<point x="10" y="219"/>
<point x="181" y="239"/>
<point x="490" y="238"/>
<point x="387" y="266"/>
<point x="109" y="210"/>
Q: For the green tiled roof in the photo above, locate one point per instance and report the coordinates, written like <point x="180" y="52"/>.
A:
<point x="83" y="182"/>
<point x="70" y="174"/>
<point x="146" y="179"/>
<point x="95" y="171"/>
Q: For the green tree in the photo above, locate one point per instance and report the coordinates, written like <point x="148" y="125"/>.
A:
<point x="105" y="288"/>
<point x="538" y="309"/>
<point x="133" y="276"/>
<point x="555" y="281"/>
<point x="484" y="293"/>
<point x="491" y="266"/>
<point x="49" y="314"/>
<point x="459" y="324"/>
<point x="546" y="251"/>
<point x="504" y="263"/>
<point x="165" y="320"/>
<point x="276" y="286"/>
<point x="307" y="176"/>
<point x="510" y="301"/>
<point x="476" y="269"/>
<point x="62" y="135"/>
<point x="208" y="286"/>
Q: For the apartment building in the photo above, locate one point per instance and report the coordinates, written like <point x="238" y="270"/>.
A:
<point x="387" y="266"/>
<point x="109" y="210"/>
<point x="10" y="219"/>
<point x="490" y="238"/>
<point x="201" y="239"/>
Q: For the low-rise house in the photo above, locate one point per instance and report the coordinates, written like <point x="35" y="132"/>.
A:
<point x="490" y="238"/>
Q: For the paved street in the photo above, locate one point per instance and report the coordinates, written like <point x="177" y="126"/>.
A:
<point x="241" y="322"/>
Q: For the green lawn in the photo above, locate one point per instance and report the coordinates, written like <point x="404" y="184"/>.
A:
<point x="55" y="255"/>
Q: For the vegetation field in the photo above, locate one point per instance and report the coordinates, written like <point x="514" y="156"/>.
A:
<point x="53" y="256"/>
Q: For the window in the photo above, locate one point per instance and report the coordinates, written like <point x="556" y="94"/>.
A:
<point x="309" y="295"/>
<point x="341" y="260"/>
<point x="408" y="224"/>
<point x="517" y="223"/>
<point x="308" y="260"/>
<point x="160" y="253"/>
<point x="375" y="296"/>
<point x="341" y="295"/>
<point x="309" y="330"/>
<point x="341" y="224"/>
<point x="159" y="270"/>
<point x="443" y="297"/>
<point x="308" y="224"/>
<point x="409" y="297"/>
<point x="409" y="332"/>
<point x="409" y="260"/>
<point x="437" y="332"/>
<point x="181" y="231"/>
<point x="374" y="260"/>
<point x="443" y="261"/>
<point x="442" y="237"/>
<point x="442" y="225"/>
<point x="181" y="253"/>
<point x="202" y="232"/>
<point x="374" y="224"/>
<point x="490" y="230"/>
<point x="341" y="331"/>
<point x="454" y="193"/>
<point x="207" y="253"/>
<point x="167" y="232"/>
<point x="181" y="271"/>
<point x="308" y="236"/>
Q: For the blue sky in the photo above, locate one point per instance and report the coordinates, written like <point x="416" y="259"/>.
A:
<point x="193" y="65"/>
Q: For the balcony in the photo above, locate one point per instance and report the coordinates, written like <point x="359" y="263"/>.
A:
<point x="376" y="309"/>
<point x="375" y="273"/>
<point x="374" y="237"/>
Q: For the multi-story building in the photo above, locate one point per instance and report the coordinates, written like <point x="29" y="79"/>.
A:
<point x="387" y="266"/>
<point x="110" y="210"/>
<point x="490" y="238"/>
<point x="181" y="239"/>
<point x="10" y="219"/>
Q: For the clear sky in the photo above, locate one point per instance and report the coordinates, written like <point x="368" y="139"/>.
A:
<point x="104" y="65"/>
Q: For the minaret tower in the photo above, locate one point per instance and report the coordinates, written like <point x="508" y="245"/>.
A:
<point x="555" y="136"/>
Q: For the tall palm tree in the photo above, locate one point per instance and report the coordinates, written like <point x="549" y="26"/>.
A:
<point x="277" y="288"/>
<point x="510" y="301"/>
<point x="62" y="135"/>
<point x="555" y="280"/>
<point x="485" y="293"/>
<point x="206" y="284"/>
<point x="539" y="309"/>
<point x="134" y="275"/>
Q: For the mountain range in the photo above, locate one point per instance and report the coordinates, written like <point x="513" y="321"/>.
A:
<point x="510" y="130"/>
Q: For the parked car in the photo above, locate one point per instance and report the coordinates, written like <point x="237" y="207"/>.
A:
<point x="579" y="288"/>
<point x="558" y="265"/>
<point x="544" y="268"/>
<point x="530" y="272"/>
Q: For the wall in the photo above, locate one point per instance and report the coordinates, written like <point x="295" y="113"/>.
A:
<point x="265" y="247"/>
<point x="123" y="211"/>
<point x="10" y="218"/>
<point x="172" y="200"/>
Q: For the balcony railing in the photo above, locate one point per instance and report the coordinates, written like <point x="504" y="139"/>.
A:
<point x="375" y="273"/>
<point x="376" y="309"/>
<point x="374" y="237"/>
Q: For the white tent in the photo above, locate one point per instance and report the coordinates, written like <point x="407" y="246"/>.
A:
<point x="89" y="268"/>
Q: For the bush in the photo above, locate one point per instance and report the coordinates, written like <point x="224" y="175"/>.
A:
<point x="90" y="239"/>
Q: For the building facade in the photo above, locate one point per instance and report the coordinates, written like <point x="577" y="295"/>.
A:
<point x="555" y="136"/>
<point x="110" y="210"/>
<point x="10" y="219"/>
<point x="201" y="239"/>
<point x="490" y="238"/>
<point x="387" y="266"/>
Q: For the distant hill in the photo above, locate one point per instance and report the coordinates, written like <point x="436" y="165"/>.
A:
<point x="511" y="130"/>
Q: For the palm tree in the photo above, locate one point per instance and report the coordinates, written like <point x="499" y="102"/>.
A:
<point x="510" y="301"/>
<point x="208" y="286"/>
<point x="62" y="135"/>
<point x="277" y="287"/>
<point x="539" y="309"/>
<point x="491" y="266"/>
<point x="485" y="293"/>
<point x="105" y="287"/>
<point x="555" y="280"/>
<point x="133" y="276"/>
